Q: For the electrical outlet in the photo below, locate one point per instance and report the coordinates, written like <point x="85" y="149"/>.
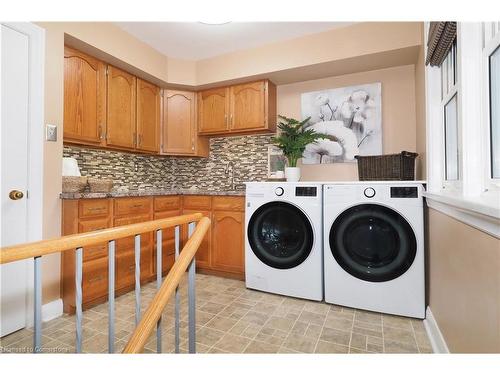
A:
<point x="51" y="133"/>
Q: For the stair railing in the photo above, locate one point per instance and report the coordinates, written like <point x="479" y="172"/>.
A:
<point x="152" y="317"/>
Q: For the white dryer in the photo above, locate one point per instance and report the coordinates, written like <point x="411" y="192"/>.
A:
<point x="374" y="246"/>
<point x="283" y="247"/>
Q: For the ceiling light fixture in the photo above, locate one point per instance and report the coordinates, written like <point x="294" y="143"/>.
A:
<point x="214" y="22"/>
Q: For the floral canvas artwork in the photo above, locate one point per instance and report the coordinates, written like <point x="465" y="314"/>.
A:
<point x="351" y="120"/>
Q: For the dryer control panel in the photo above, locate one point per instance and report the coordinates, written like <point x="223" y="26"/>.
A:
<point x="404" y="192"/>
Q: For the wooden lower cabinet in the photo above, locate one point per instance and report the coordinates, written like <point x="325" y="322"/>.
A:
<point x="90" y="225"/>
<point x="221" y="252"/>
<point x="168" y="241"/>
<point x="94" y="279"/>
<point x="125" y="267"/>
<point x="87" y="215"/>
<point x="204" y="251"/>
<point x="228" y="241"/>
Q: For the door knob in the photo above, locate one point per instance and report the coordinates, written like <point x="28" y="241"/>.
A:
<point x="16" y="195"/>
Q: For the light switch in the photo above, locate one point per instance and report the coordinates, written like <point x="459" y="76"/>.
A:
<point x="51" y="133"/>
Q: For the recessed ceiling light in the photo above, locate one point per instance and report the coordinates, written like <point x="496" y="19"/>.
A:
<point x="214" y="22"/>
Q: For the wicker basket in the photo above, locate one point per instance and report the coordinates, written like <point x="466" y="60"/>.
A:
<point x="100" y="185"/>
<point x="74" y="184"/>
<point x="387" y="167"/>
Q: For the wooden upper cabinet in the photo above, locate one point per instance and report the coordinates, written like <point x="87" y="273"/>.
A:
<point x="121" y="120"/>
<point x="228" y="241"/>
<point x="148" y="116"/>
<point x="247" y="103"/>
<point x="84" y="98"/>
<point x="213" y="111"/>
<point x="179" y="122"/>
<point x="240" y="109"/>
<point x="179" y="135"/>
<point x="107" y="107"/>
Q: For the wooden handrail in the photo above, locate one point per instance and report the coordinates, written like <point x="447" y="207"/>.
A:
<point x="153" y="313"/>
<point x="71" y="242"/>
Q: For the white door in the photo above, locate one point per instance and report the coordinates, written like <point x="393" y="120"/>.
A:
<point x="15" y="136"/>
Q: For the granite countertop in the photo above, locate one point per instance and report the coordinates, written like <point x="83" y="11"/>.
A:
<point x="151" y="192"/>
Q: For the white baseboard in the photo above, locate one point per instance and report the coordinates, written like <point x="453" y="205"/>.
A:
<point x="52" y="310"/>
<point x="435" y="336"/>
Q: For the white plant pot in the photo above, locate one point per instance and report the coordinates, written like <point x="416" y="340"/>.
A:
<point x="292" y="174"/>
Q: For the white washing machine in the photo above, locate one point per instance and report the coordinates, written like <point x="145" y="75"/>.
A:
<point x="374" y="246"/>
<point x="283" y="247"/>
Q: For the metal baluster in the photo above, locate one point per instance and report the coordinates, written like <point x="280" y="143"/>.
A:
<point x="37" y="339"/>
<point x="111" y="296"/>
<point x="191" y="299"/>
<point x="159" y="269"/>
<point x="177" y="296"/>
<point x="78" y="297"/>
<point x="137" y="242"/>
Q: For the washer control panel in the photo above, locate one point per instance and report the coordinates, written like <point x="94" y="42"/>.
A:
<point x="306" y="191"/>
<point x="279" y="191"/>
<point x="369" y="192"/>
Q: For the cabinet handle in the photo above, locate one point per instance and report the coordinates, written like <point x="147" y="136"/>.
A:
<point x="97" y="278"/>
<point x="225" y="118"/>
<point x="92" y="209"/>
<point x="138" y="205"/>
<point x="135" y="139"/>
<point x="101" y="133"/>
<point x="98" y="228"/>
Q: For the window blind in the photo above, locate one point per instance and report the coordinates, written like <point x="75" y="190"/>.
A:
<point x="440" y="41"/>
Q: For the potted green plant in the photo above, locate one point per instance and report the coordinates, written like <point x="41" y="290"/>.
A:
<point x="292" y="139"/>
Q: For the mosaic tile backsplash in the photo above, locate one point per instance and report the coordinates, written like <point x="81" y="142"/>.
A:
<point x="248" y="154"/>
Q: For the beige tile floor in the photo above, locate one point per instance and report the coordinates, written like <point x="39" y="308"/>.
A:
<point x="233" y="319"/>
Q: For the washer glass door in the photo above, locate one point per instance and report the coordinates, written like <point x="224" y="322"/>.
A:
<point x="373" y="242"/>
<point x="280" y="235"/>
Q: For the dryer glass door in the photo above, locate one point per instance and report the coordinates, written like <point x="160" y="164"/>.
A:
<point x="373" y="242"/>
<point x="280" y="235"/>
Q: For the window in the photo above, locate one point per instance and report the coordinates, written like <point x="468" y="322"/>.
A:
<point x="451" y="139"/>
<point x="494" y="102"/>
<point x="449" y="99"/>
<point x="463" y="128"/>
<point x="491" y="104"/>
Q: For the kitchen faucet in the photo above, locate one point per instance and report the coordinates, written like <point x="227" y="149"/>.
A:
<point x="230" y="168"/>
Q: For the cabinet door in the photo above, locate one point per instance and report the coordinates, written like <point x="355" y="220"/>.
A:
<point x="94" y="279"/>
<point x="228" y="241"/>
<point x="84" y="98"/>
<point x="127" y="245"/>
<point x="179" y="122"/>
<point x="203" y="254"/>
<point x="168" y="240"/>
<point x="121" y="125"/>
<point x="148" y="116"/>
<point x="90" y="225"/>
<point x="247" y="107"/>
<point x="213" y="108"/>
<point x="125" y="267"/>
